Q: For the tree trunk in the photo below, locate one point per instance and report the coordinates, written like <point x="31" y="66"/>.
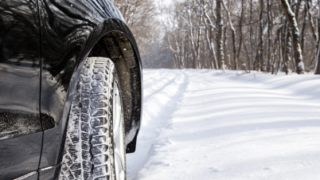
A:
<point x="296" y="36"/>
<point x="209" y="36"/>
<point x="317" y="70"/>
<point x="199" y="64"/>
<point x="251" y="34"/>
<point x="220" y="54"/>
<point x="288" y="47"/>
<point x="269" y="63"/>
<point x="260" y="59"/>
<point x="240" y="26"/>
<point x="194" y="56"/>
<point x="305" y="17"/>
<point x="235" y="57"/>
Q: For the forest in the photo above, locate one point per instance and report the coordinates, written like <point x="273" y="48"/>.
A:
<point x="246" y="112"/>
<point x="251" y="35"/>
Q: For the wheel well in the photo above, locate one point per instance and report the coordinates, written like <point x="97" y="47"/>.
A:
<point x="116" y="46"/>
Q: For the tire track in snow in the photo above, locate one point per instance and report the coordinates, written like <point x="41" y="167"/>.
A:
<point x="162" y="84"/>
<point x="159" y="104"/>
<point x="232" y="127"/>
<point x="150" y="78"/>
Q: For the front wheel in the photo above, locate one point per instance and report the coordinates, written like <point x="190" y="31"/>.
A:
<point x="94" y="147"/>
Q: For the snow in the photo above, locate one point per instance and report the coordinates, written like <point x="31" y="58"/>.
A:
<point x="203" y="124"/>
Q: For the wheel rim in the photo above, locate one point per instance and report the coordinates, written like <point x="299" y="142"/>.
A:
<point x="118" y="133"/>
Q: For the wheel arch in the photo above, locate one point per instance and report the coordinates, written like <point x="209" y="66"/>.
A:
<point x="117" y="46"/>
<point x="113" y="39"/>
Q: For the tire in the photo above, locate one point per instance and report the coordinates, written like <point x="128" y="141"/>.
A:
<point x="94" y="147"/>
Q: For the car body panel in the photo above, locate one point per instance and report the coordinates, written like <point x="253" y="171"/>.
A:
<point x="54" y="39"/>
<point x="20" y="155"/>
<point x="20" y="126"/>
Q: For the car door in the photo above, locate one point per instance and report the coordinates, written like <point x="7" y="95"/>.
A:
<point x="20" y="126"/>
<point x="65" y="28"/>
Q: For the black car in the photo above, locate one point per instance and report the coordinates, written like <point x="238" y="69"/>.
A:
<point x="70" y="90"/>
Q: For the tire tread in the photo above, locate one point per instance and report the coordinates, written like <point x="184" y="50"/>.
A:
<point x="88" y="144"/>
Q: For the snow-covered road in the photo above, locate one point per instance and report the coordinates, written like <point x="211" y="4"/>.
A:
<point x="203" y="125"/>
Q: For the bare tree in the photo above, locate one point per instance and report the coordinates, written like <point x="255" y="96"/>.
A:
<point x="296" y="39"/>
<point x="219" y="23"/>
<point x="260" y="49"/>
<point x="263" y="35"/>
<point x="235" y="57"/>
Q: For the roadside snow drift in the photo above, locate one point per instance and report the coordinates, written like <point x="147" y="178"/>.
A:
<point x="212" y="125"/>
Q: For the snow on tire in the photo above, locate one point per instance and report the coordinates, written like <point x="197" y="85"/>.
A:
<point x="93" y="150"/>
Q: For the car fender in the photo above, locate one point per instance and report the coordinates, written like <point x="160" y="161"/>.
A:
<point x="111" y="27"/>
